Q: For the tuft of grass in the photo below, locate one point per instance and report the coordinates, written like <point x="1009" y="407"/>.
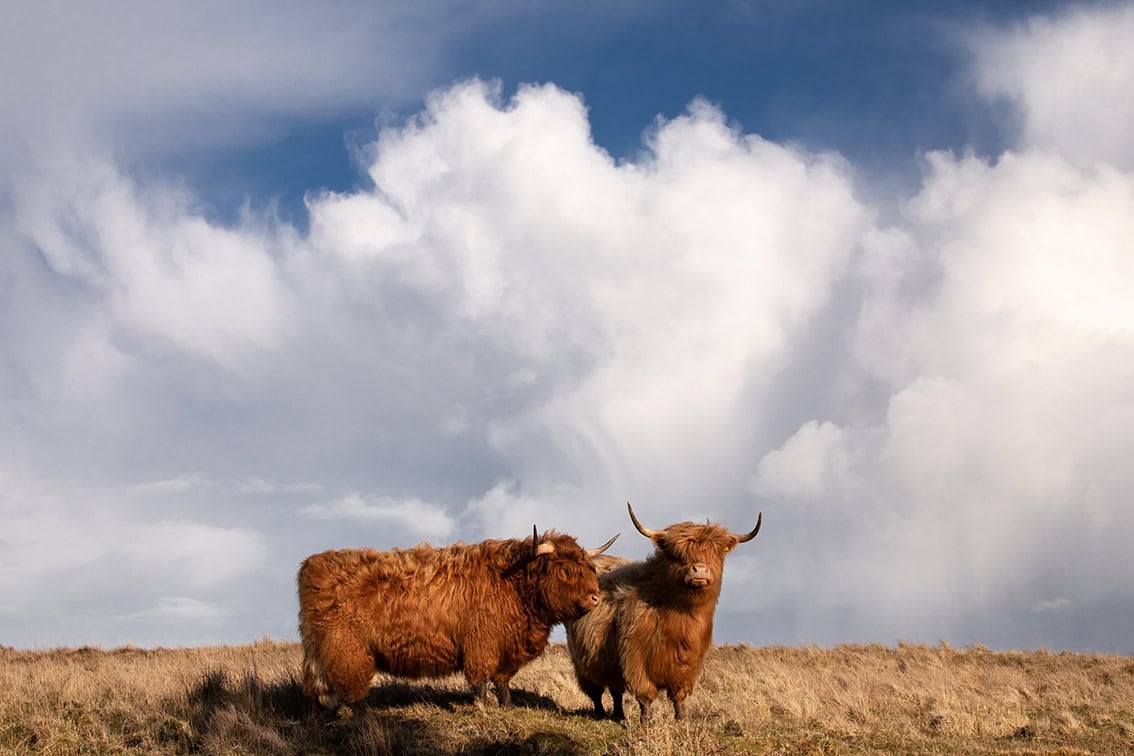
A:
<point x="847" y="699"/>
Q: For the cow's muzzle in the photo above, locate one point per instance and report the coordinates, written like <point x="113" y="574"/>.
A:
<point x="699" y="576"/>
<point x="588" y="603"/>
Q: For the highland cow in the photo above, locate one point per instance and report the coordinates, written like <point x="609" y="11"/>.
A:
<point x="483" y="609"/>
<point x="654" y="624"/>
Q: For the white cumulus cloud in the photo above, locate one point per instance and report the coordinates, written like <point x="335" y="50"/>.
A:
<point x="1069" y="77"/>
<point x="415" y="516"/>
<point x="179" y="609"/>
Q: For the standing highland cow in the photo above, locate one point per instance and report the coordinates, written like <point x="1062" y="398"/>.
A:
<point x="654" y="624"/>
<point x="484" y="609"/>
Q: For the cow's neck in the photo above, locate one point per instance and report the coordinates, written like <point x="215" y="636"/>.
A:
<point x="537" y="616"/>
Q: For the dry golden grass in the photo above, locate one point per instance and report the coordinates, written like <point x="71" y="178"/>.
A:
<point x="849" y="699"/>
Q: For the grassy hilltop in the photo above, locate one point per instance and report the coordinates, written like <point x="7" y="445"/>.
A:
<point x="849" y="699"/>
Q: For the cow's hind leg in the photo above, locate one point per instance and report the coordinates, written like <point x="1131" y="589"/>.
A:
<point x="594" y="692"/>
<point x="480" y="694"/>
<point x="480" y="665"/>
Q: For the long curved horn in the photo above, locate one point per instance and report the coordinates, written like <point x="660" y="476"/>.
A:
<point x="644" y="531"/>
<point x="535" y="541"/>
<point x="749" y="536"/>
<point x="595" y="552"/>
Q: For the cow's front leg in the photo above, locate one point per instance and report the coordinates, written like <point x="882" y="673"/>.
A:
<point x="616" y="712"/>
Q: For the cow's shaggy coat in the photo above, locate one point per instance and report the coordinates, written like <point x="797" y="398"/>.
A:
<point x="483" y="609"/>
<point x="654" y="624"/>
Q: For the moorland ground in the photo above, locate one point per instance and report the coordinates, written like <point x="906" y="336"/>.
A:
<point x="846" y="699"/>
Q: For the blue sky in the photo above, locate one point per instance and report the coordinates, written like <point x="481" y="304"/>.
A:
<point x="281" y="277"/>
<point x="878" y="82"/>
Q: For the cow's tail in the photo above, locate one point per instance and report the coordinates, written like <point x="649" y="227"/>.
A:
<point x="315" y="684"/>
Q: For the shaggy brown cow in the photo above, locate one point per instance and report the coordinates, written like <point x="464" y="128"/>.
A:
<point x="484" y="609"/>
<point x="654" y="624"/>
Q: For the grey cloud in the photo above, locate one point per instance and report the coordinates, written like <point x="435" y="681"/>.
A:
<point x="206" y="72"/>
